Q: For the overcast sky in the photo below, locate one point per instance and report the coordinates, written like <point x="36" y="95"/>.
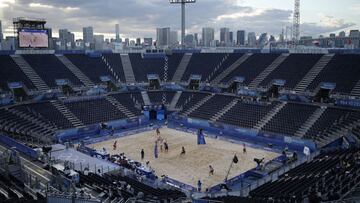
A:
<point x="139" y="18"/>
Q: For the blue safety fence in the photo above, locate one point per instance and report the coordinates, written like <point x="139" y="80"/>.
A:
<point x="9" y="142"/>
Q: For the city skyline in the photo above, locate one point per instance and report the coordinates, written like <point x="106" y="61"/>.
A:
<point x="253" y="16"/>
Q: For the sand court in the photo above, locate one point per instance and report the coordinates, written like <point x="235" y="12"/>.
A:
<point x="192" y="166"/>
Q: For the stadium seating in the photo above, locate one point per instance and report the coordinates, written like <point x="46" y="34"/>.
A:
<point x="49" y="68"/>
<point x="331" y="175"/>
<point x="188" y="99"/>
<point x="211" y="107"/>
<point x="246" y="114"/>
<point x="10" y="72"/>
<point x="202" y="64"/>
<point x="47" y="111"/>
<point x="252" y="67"/>
<point x="290" y="118"/>
<point x="327" y="119"/>
<point x="156" y="96"/>
<point x="342" y="70"/>
<point x="130" y="100"/>
<point x="92" y="67"/>
<point x="95" y="111"/>
<point x="293" y="69"/>
<point x="114" y="61"/>
<point x="142" y="67"/>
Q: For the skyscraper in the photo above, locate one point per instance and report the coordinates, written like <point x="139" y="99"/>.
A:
<point x="263" y="39"/>
<point x="163" y="37"/>
<point x="240" y="37"/>
<point x="1" y="33"/>
<point x="66" y="38"/>
<point x="196" y="39"/>
<point x="174" y="38"/>
<point x="252" y="39"/>
<point x="117" y="33"/>
<point x="224" y="36"/>
<point x="208" y="35"/>
<point x="88" y="34"/>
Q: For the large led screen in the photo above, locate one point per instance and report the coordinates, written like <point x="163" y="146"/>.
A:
<point x="33" y="38"/>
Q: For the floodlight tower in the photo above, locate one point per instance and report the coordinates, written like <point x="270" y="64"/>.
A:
<point x="296" y="22"/>
<point x="182" y="2"/>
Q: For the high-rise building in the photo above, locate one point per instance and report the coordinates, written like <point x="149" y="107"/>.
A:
<point x="189" y="40"/>
<point x="240" y="37"/>
<point x="163" y="37"/>
<point x="196" y="39"/>
<point x="127" y="41"/>
<point x="332" y="35"/>
<point x="88" y="35"/>
<point x="138" y="41"/>
<point x="117" y="33"/>
<point x="354" y="33"/>
<point x="263" y="39"/>
<point x="231" y="38"/>
<point x="1" y="33"/>
<point x="342" y="34"/>
<point x="66" y="38"/>
<point x="251" y="39"/>
<point x="208" y="35"/>
<point x="174" y="38"/>
<point x="224" y="36"/>
<point x="99" y="42"/>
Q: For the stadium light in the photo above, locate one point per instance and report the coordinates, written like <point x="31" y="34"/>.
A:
<point x="182" y="2"/>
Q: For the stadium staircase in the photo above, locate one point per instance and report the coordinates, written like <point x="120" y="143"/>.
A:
<point x="75" y="70"/>
<point x="30" y="73"/>
<point x="75" y="121"/>
<point x="145" y="97"/>
<point x="231" y="68"/>
<point x="260" y="124"/>
<point x="257" y="81"/>
<point x="310" y="122"/>
<point x="37" y="122"/>
<point x="356" y="90"/>
<point x="114" y="74"/>
<point x="197" y="105"/>
<point x="211" y="75"/>
<point x="338" y="130"/>
<point x="311" y="75"/>
<point x="120" y="107"/>
<point x="128" y="70"/>
<point x="175" y="100"/>
<point x="182" y="67"/>
<point x="227" y="108"/>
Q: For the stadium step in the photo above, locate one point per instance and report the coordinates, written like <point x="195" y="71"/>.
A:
<point x="310" y="122"/>
<point x="197" y="105"/>
<point x="182" y="67"/>
<point x="265" y="120"/>
<point x="114" y="74"/>
<point x="338" y="132"/>
<point x="311" y="75"/>
<point x="75" y="70"/>
<point x="231" y="68"/>
<point x="211" y="75"/>
<point x="257" y="81"/>
<point x="227" y="108"/>
<point x="145" y="97"/>
<point x="356" y="90"/>
<point x="175" y="100"/>
<point x="75" y="121"/>
<point x="128" y="70"/>
<point x="120" y="107"/>
<point x="30" y="73"/>
<point x="35" y="123"/>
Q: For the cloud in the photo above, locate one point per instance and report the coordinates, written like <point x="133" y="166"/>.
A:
<point x="139" y="18"/>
